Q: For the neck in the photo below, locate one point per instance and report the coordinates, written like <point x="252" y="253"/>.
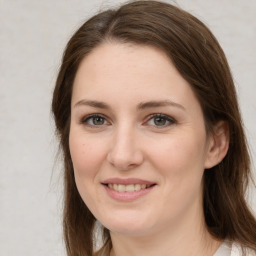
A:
<point x="177" y="247"/>
<point x="185" y="238"/>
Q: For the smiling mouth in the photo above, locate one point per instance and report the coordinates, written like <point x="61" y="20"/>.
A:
<point x="129" y="187"/>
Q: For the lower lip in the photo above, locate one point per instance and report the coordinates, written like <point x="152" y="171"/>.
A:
<point x="127" y="196"/>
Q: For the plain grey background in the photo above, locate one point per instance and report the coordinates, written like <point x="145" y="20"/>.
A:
<point x="33" y="35"/>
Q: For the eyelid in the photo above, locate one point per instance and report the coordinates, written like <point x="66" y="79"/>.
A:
<point x="85" y="119"/>
<point x="168" y="118"/>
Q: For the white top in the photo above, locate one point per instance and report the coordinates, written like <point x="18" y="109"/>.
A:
<point x="224" y="250"/>
<point x="229" y="249"/>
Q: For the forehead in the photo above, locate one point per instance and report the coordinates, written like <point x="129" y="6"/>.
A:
<point x="118" y="59"/>
<point x="115" y="71"/>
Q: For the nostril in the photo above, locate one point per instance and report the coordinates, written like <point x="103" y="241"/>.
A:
<point x="125" y="160"/>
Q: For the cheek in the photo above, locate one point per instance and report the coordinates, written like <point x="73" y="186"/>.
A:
<point x="85" y="156"/>
<point x="87" y="159"/>
<point x="181" y="163"/>
<point x="180" y="154"/>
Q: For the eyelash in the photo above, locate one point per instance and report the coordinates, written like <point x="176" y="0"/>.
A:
<point x="167" y="118"/>
<point x="86" y="120"/>
<point x="170" y="120"/>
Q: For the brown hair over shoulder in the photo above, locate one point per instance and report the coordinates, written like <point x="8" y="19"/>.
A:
<point x="200" y="60"/>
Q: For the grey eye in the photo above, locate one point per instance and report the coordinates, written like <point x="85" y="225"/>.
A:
<point x="94" y="120"/>
<point x="159" y="121"/>
<point x="98" y="120"/>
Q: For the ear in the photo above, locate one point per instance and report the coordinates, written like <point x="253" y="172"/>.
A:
<point x="218" y="144"/>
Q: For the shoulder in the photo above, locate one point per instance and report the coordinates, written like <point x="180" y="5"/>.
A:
<point x="236" y="250"/>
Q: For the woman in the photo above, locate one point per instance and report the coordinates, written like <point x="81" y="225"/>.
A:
<point x="152" y="137"/>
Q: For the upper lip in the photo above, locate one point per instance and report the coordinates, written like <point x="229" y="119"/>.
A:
<point x="127" y="181"/>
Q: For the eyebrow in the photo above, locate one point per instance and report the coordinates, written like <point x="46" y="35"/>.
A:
<point x="163" y="103"/>
<point x="141" y="106"/>
<point x="92" y="103"/>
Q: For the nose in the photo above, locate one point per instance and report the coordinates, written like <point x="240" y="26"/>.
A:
<point x="126" y="151"/>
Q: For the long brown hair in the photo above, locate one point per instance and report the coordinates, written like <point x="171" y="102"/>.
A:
<point x="200" y="60"/>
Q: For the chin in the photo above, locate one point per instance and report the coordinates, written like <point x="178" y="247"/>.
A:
<point x="128" y="225"/>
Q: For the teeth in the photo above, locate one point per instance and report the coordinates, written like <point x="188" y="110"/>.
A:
<point x="127" y="188"/>
<point x="121" y="188"/>
<point x="137" y="187"/>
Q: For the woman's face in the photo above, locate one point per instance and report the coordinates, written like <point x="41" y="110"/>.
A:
<point x="137" y="140"/>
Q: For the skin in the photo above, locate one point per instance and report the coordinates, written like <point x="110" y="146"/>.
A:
<point x="128" y="142"/>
